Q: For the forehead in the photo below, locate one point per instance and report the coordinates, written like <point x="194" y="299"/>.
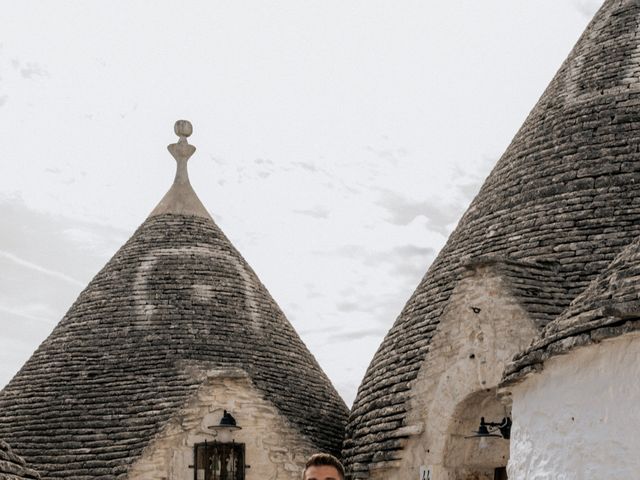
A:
<point x="322" y="472"/>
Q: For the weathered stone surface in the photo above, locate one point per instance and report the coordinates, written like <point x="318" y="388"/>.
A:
<point x="273" y="448"/>
<point x="484" y="325"/>
<point x="13" y="467"/>
<point x="118" y="367"/>
<point x="609" y="307"/>
<point x="566" y="191"/>
<point x="578" y="417"/>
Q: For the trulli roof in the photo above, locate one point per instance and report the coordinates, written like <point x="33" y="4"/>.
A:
<point x="175" y="297"/>
<point x="609" y="307"/>
<point x="566" y="191"/>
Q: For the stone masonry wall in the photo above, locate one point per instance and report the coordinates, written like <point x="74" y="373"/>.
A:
<point x="274" y="450"/>
<point x="482" y="328"/>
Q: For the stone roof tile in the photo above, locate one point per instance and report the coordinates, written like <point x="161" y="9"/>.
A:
<point x="13" y="467"/>
<point x="175" y="300"/>
<point x="609" y="307"/>
<point x="566" y="190"/>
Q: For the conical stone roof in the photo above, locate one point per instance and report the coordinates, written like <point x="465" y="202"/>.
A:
<point x="177" y="297"/>
<point x="609" y="307"/>
<point x="566" y="193"/>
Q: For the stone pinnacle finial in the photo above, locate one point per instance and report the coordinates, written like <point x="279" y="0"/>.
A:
<point x="182" y="151"/>
<point x="181" y="199"/>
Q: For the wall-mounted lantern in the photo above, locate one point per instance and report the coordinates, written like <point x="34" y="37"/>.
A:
<point x="222" y="459"/>
<point x="226" y="428"/>
<point x="489" y="429"/>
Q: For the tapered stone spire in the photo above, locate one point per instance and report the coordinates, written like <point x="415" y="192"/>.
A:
<point x="557" y="208"/>
<point x="175" y="307"/>
<point x="181" y="199"/>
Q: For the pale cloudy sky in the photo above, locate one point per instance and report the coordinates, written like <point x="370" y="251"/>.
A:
<point x="338" y="143"/>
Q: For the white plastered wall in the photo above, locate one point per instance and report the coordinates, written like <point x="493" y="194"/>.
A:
<point x="481" y="330"/>
<point x="273" y="448"/>
<point x="579" y="418"/>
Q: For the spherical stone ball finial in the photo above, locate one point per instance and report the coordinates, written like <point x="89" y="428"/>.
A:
<point x="183" y="128"/>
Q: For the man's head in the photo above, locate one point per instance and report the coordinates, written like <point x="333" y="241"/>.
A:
<point x="323" y="466"/>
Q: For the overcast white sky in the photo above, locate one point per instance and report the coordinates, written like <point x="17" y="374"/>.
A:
<point x="338" y="143"/>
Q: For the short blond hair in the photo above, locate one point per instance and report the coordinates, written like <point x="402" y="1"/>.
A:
<point x="321" y="460"/>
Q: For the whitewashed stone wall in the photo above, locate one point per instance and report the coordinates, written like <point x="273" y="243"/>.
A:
<point x="579" y="418"/>
<point x="274" y="450"/>
<point x="481" y="330"/>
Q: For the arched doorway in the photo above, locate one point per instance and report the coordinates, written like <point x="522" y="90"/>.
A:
<point x="476" y="458"/>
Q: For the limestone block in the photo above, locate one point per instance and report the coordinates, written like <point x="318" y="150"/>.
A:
<point x="482" y="328"/>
